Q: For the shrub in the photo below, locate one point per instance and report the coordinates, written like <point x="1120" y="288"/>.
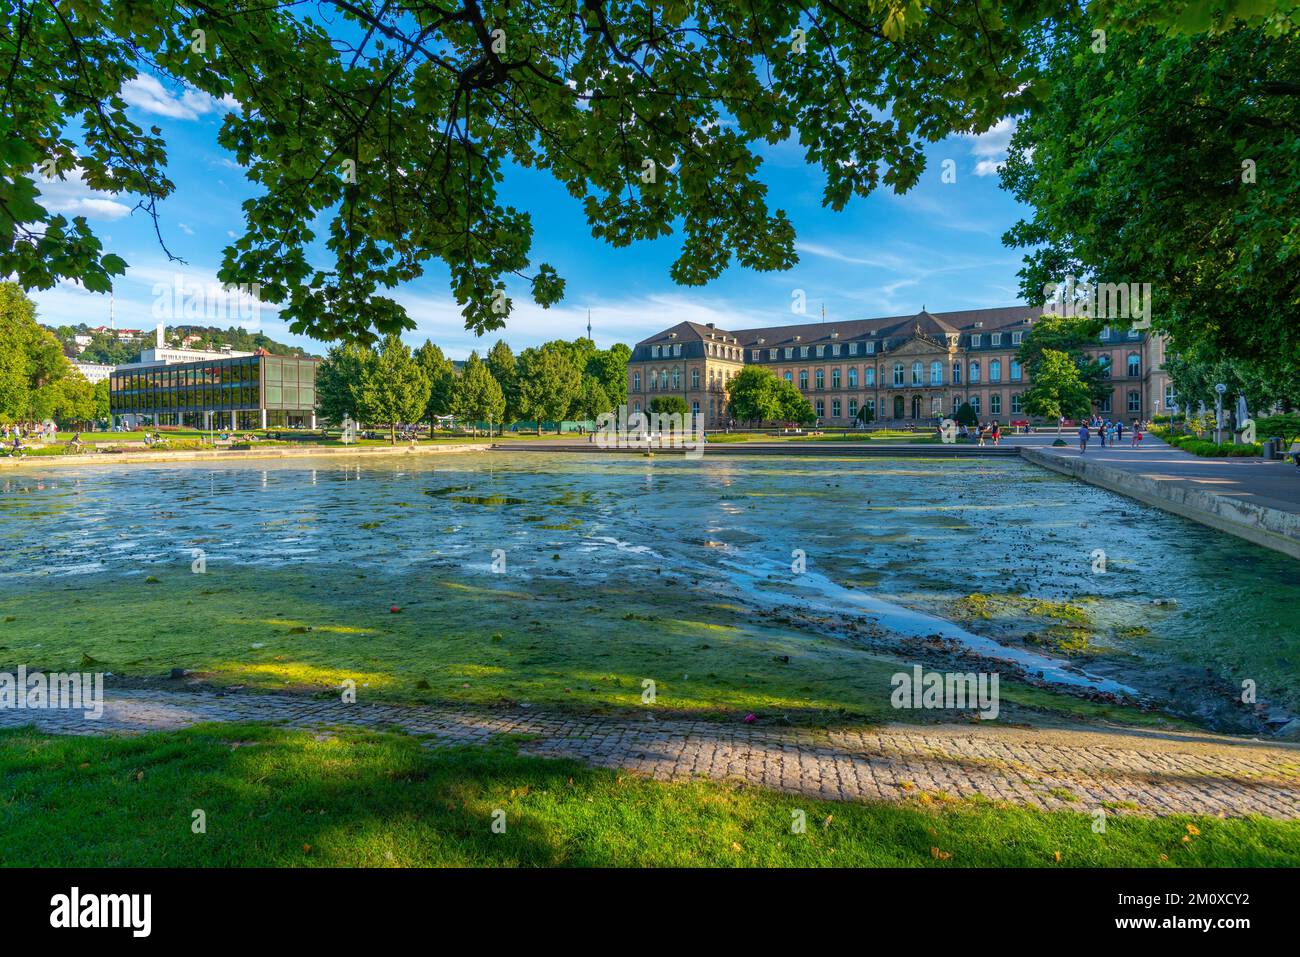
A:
<point x="1286" y="426"/>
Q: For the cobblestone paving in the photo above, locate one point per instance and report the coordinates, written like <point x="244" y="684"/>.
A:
<point x="1134" y="770"/>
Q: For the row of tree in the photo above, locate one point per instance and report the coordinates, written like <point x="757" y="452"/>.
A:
<point x="37" y="382"/>
<point x="393" y="385"/>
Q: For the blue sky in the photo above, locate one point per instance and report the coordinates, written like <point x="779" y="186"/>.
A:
<point x="938" y="246"/>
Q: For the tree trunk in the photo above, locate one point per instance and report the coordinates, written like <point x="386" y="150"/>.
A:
<point x="392" y="433"/>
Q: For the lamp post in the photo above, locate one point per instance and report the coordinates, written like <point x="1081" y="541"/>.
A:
<point x="1219" y="390"/>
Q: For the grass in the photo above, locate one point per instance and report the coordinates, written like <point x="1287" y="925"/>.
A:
<point x="276" y="797"/>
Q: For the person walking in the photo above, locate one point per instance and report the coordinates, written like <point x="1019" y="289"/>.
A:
<point x="1101" y="434"/>
<point x="997" y="433"/>
<point x="1119" y="430"/>
<point x="1083" y="438"/>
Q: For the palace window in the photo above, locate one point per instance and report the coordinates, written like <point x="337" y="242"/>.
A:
<point x="1015" y="371"/>
<point x="995" y="339"/>
<point x="869" y="376"/>
<point x="1104" y="360"/>
<point x="756" y="353"/>
<point x="975" y="340"/>
<point x="1133" y="334"/>
<point x="853" y="377"/>
<point x="821" y="379"/>
<point x="870" y="406"/>
<point x="956" y="373"/>
<point x="1134" y="365"/>
<point x="803" y="352"/>
<point x="995" y="404"/>
<point x="835" y="408"/>
<point x="695" y="406"/>
<point x="995" y="370"/>
<point x="821" y="408"/>
<point x="677" y="379"/>
<point x="835" y="378"/>
<point x="853" y="348"/>
<point x="916" y="373"/>
<point x="853" y="408"/>
<point x="974" y="372"/>
<point x="636" y="407"/>
<point x="1135" y="402"/>
<point x="821" y="351"/>
<point x="1016" y="337"/>
<point x="1169" y="397"/>
<point x="936" y="373"/>
<point x="871" y="348"/>
<point x="803" y="380"/>
<point x="789" y="352"/>
<point x="789" y="376"/>
<point x="835" y="349"/>
<point x="898" y="373"/>
<point x="654" y="352"/>
<point x="771" y="353"/>
<point x="695" y="378"/>
<point x="956" y="404"/>
<point x="975" y="404"/>
<point x="1105" y="333"/>
<point x="1104" y="405"/>
<point x="636" y="382"/>
<point x="677" y="348"/>
<point x="1015" y="403"/>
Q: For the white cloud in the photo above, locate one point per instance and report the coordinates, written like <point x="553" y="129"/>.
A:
<point x="145" y="92"/>
<point x="72" y="197"/>
<point x="185" y="229"/>
<point x="990" y="147"/>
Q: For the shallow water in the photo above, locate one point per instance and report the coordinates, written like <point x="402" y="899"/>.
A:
<point x="894" y="541"/>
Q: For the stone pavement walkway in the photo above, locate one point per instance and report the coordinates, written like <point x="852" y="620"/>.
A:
<point x="1272" y="484"/>
<point x="1125" y="769"/>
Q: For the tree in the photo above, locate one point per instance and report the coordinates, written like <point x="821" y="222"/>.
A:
<point x="609" y="366"/>
<point x="32" y="362"/>
<point x="966" y="416"/>
<point x="1057" y="390"/>
<point x="755" y="395"/>
<point x="548" y="384"/>
<point x="73" y="401"/>
<point x="338" y="382"/>
<point x="478" y="395"/>
<point x="669" y="405"/>
<point x="393" y="387"/>
<point x="393" y="128"/>
<point x="866" y="415"/>
<point x="794" y="407"/>
<point x="591" y="401"/>
<point x="501" y="363"/>
<point x="1179" y="170"/>
<point x="441" y="373"/>
<point x="1071" y="335"/>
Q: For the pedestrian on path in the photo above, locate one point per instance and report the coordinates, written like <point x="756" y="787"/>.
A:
<point x="1083" y="438"/>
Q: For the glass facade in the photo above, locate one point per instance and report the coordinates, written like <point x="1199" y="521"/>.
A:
<point x="279" y="384"/>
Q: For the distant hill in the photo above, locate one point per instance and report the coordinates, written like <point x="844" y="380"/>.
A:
<point x="108" y="347"/>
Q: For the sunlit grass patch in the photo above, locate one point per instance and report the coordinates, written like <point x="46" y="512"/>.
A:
<point x="281" y="798"/>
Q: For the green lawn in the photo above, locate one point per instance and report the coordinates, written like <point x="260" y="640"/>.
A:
<point x="273" y="797"/>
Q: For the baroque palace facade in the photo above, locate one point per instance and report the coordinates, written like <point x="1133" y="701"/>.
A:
<point x="904" y="369"/>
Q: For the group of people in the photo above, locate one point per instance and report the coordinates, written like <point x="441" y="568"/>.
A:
<point x="29" y="431"/>
<point x="1110" y="432"/>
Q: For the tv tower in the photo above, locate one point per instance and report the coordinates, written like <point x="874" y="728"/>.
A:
<point x="589" y="325"/>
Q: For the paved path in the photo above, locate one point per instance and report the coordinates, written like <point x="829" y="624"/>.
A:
<point x="1151" y="772"/>
<point x="1274" y="484"/>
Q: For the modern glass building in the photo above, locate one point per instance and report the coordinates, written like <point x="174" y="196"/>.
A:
<point x="241" y="392"/>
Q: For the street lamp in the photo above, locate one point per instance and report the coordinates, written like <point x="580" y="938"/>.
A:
<point x="1219" y="390"/>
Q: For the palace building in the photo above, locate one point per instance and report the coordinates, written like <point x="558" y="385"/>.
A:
<point x="904" y="369"/>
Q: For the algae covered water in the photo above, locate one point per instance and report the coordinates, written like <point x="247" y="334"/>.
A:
<point x="1073" y="584"/>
